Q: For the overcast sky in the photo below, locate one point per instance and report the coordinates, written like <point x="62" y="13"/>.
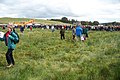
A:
<point x="87" y="10"/>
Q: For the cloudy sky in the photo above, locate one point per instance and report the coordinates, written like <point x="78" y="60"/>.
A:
<point x="87" y="10"/>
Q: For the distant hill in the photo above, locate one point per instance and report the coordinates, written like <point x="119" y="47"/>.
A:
<point x="6" y="20"/>
<point x="111" y="23"/>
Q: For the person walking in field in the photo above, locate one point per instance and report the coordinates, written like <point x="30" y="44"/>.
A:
<point x="52" y="28"/>
<point x="79" y="31"/>
<point x="31" y="28"/>
<point x="73" y="32"/>
<point x="62" y="33"/>
<point x="85" y="32"/>
<point x="10" y="38"/>
<point x="21" y="29"/>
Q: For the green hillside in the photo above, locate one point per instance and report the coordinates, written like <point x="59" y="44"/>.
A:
<point x="41" y="55"/>
<point x="41" y="21"/>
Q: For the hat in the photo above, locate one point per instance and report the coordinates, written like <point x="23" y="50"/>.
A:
<point x="10" y="26"/>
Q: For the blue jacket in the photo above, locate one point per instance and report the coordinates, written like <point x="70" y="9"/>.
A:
<point x="11" y="38"/>
<point x="79" y="31"/>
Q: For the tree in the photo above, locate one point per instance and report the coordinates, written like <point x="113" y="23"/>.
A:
<point x="83" y="22"/>
<point x="114" y="23"/>
<point x="95" y="23"/>
<point x="73" y="21"/>
<point x="87" y="23"/>
<point x="64" y="19"/>
<point x="90" y="23"/>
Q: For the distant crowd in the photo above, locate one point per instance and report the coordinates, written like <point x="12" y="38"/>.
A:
<point x="69" y="27"/>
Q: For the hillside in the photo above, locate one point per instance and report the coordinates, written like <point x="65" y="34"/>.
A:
<point x="41" y="55"/>
<point x="40" y="21"/>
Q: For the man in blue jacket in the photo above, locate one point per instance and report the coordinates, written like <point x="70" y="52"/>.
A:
<point x="9" y="39"/>
<point x="79" y="31"/>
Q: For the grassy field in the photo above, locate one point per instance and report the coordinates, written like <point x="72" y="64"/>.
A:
<point x="41" y="55"/>
<point x="41" y="21"/>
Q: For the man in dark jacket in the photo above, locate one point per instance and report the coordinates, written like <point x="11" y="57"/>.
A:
<point x="85" y="31"/>
<point x="62" y="33"/>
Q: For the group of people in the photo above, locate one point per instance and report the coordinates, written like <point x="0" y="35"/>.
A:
<point x="79" y="32"/>
<point x="23" y="27"/>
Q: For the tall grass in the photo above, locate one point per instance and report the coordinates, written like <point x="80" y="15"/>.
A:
<point x="41" y="55"/>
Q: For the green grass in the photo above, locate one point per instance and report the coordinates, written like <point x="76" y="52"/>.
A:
<point x="41" y="21"/>
<point x="41" y="55"/>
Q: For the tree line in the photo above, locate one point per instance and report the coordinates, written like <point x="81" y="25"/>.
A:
<point x="72" y="21"/>
<point x="94" y="23"/>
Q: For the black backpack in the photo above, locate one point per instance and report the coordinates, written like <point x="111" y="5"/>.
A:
<point x="16" y="41"/>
